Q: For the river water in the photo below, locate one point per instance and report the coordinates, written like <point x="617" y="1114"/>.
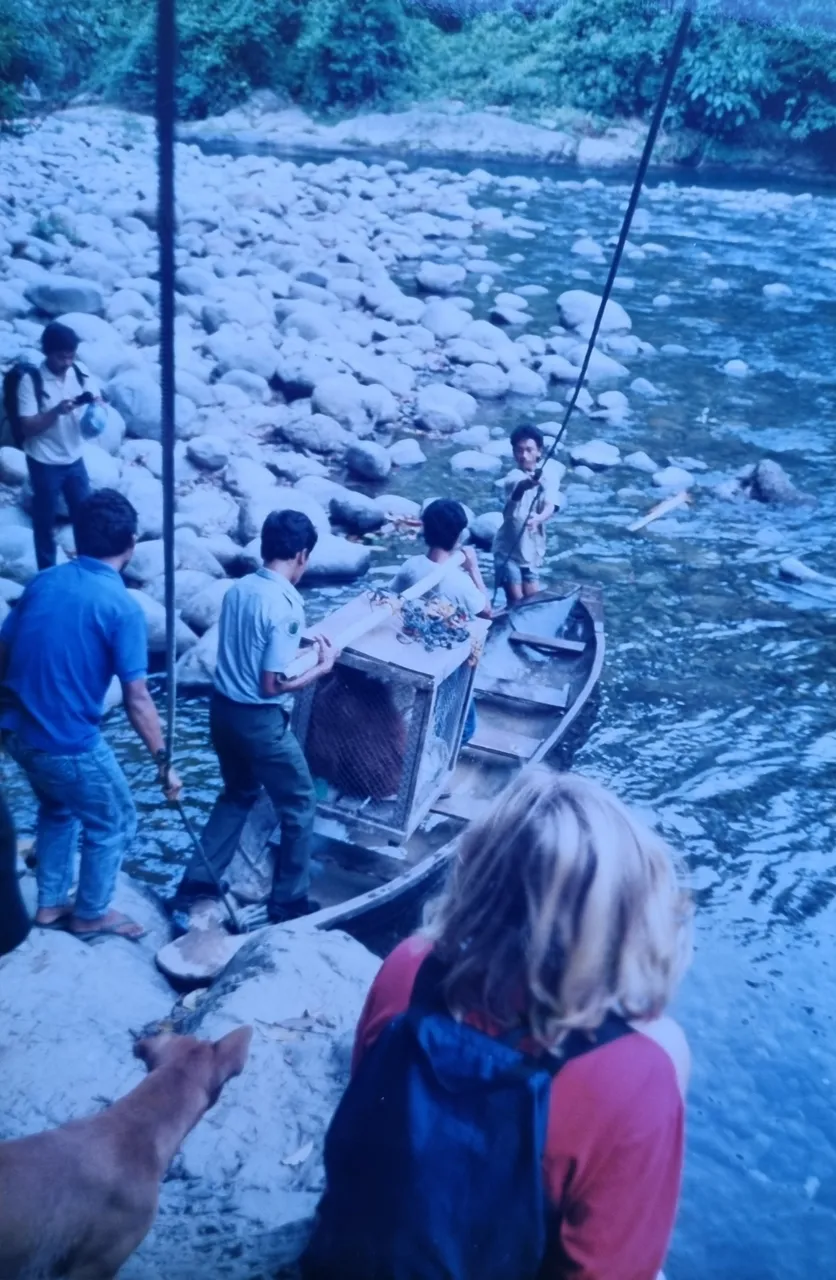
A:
<point x="717" y="713"/>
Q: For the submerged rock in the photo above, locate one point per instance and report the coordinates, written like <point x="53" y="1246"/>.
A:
<point x="770" y="483"/>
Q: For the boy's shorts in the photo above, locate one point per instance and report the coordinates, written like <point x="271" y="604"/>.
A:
<point x="510" y="573"/>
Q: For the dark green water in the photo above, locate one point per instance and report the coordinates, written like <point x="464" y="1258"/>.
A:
<point x="717" y="711"/>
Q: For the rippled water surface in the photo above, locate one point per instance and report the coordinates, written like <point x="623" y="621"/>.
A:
<point x="717" y="711"/>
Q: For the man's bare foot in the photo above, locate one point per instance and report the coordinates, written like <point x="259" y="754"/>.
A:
<point x="46" y="917"/>
<point x="113" y="924"/>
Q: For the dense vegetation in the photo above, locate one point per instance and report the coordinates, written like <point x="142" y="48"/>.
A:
<point x="534" y="56"/>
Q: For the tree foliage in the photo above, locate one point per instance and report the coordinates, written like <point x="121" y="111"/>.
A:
<point x="769" y="62"/>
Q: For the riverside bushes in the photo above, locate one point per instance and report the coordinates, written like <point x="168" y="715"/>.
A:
<point x="534" y="56"/>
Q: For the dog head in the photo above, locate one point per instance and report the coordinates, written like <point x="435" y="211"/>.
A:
<point x="209" y="1063"/>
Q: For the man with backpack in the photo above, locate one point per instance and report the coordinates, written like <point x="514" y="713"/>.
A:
<point x="43" y="405"/>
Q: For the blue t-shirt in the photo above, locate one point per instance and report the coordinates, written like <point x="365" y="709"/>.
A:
<point x="74" y="628"/>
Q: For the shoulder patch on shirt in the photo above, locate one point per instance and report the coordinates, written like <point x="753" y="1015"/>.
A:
<point x="292" y="627"/>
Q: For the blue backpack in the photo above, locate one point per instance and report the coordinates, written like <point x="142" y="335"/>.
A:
<point x="434" y="1158"/>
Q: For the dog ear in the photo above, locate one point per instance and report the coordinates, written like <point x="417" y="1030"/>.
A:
<point x="231" y="1052"/>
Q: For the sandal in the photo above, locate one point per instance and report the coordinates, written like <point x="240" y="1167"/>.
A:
<point x="120" y="927"/>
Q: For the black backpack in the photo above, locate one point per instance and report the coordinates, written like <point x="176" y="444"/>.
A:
<point x="434" y="1158"/>
<point x="12" y="431"/>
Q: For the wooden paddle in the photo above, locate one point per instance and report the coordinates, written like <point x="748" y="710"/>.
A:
<point x="680" y="499"/>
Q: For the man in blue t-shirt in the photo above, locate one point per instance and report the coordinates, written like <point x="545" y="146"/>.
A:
<point x="74" y="629"/>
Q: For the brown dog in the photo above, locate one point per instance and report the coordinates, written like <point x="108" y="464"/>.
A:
<point x="76" y="1201"/>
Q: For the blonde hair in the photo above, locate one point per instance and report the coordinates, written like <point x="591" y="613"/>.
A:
<point x="562" y="907"/>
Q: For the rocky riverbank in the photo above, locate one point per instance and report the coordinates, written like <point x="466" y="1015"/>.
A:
<point x="325" y="338"/>
<point x="450" y="129"/>
<point x="238" y="1201"/>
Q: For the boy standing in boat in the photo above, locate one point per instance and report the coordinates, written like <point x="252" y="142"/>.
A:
<point x="261" y="624"/>
<point x="520" y="545"/>
<point x="444" y="521"/>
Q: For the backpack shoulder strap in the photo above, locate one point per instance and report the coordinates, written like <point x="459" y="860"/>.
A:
<point x="427" y="994"/>
<point x="80" y="373"/>
<point x="13" y="378"/>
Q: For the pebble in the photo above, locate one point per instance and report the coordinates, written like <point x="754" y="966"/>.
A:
<point x="673" y="478"/>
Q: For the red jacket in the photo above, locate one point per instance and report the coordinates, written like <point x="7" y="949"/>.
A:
<point x="613" y="1157"/>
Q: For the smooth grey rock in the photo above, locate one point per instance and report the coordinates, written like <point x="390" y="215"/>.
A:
<point x="770" y="483"/>
<point x="485" y="527"/>
<point x="407" y="453"/>
<point x="235" y="348"/>
<point x="17" y="553"/>
<point x="368" y="460"/>
<point x="777" y="290"/>
<point x="643" y="387"/>
<point x="525" y="382"/>
<point x="673" y="478"/>
<point x="57" y="294"/>
<point x="254" y="386"/>
<point x="579" y="307"/>
<point x="463" y="351"/>
<point x="335" y="559"/>
<point x="557" y="368"/>
<point x="13" y="468"/>
<point x="444" y="409"/>
<point x="319" y="433"/>
<point x="602" y="368"/>
<point x="103" y="470"/>
<point x="395" y="507"/>
<point x="187" y="584"/>
<point x="472" y="460"/>
<point x="256" y="509"/>
<point x="439" y="277"/>
<point x="203" y="610"/>
<point x="244" y="478"/>
<point x="155" y="622"/>
<point x="127" y="302"/>
<point x="145" y="492"/>
<point x="210" y="453"/>
<point x="736" y="369"/>
<point x="640" y="461"/>
<point x="484" y="381"/>
<point x="354" y="511"/>
<point x="443" y="319"/>
<point x="207" y="510"/>
<point x="196" y="667"/>
<point x="597" y="454"/>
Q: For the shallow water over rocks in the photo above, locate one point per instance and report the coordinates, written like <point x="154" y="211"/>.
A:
<point x="716" y="713"/>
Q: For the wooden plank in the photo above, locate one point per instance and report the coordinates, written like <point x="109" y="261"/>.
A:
<point x="534" y="695"/>
<point x="547" y="642"/>
<point x="466" y="808"/>
<point x="503" y="742"/>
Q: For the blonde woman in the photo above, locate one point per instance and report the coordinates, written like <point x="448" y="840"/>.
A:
<point x="516" y="1106"/>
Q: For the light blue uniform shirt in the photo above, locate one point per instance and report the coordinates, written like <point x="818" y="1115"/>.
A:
<point x="262" y="620"/>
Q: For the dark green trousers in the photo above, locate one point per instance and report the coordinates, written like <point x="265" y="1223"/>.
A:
<point x="256" y="749"/>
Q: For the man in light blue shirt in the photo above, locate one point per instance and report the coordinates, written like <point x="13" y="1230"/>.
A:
<point x="262" y="620"/>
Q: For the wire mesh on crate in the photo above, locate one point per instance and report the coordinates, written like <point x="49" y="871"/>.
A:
<point x="382" y="732"/>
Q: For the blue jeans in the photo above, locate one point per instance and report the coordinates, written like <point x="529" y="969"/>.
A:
<point x="49" y="481"/>
<point x="85" y="794"/>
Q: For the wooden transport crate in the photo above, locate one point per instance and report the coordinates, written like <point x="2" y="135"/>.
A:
<point x="382" y="733"/>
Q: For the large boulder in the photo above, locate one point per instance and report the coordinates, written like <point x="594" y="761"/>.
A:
<point x="234" y="347"/>
<point x="484" y="381"/>
<point x="525" y="382"/>
<point x="353" y="510"/>
<point x="104" y="471"/>
<point x="602" y="368"/>
<point x="597" y="454"/>
<point x="444" y="409"/>
<point x="440" y="277"/>
<point x="136" y="396"/>
<point x="579" y="307"/>
<point x="256" y="509"/>
<point x="407" y="453"/>
<point x="17" y="553"/>
<point x="336" y="559"/>
<point x="209" y="453"/>
<point x="155" y="622"/>
<point x="444" y="319"/>
<point x="770" y="483"/>
<point x="196" y="668"/>
<point x="244" y="477"/>
<point x="207" y="510"/>
<point x="203" y="610"/>
<point x="145" y="492"/>
<point x="369" y="461"/>
<point x="303" y="990"/>
<point x="187" y="584"/>
<point x="319" y="433"/>
<point x="55" y="294"/>
<point x="484" y="528"/>
<point x="13" y="468"/>
<point x="341" y="397"/>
